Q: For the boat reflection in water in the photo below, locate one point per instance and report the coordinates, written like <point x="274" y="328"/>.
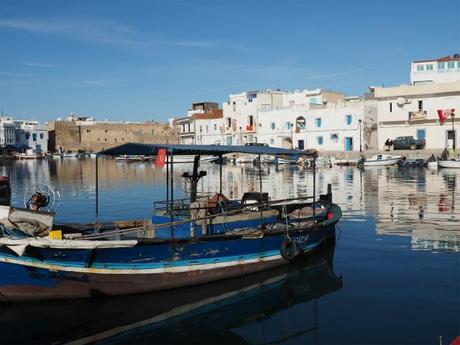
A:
<point x="208" y="313"/>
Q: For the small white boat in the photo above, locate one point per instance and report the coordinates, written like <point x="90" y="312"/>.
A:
<point x="381" y="160"/>
<point x="453" y="163"/>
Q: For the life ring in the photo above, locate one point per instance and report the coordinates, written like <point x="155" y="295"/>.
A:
<point x="288" y="249"/>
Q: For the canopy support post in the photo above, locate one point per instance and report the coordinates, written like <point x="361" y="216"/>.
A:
<point x="172" y="192"/>
<point x="314" y="191"/>
<point x="260" y="194"/>
<point x="220" y="173"/>
<point x="97" y="189"/>
<point x="167" y="184"/>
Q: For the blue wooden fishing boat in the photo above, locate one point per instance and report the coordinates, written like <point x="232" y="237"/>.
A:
<point x="191" y="315"/>
<point x="184" y="243"/>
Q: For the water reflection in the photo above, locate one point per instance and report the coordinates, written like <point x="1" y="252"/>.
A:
<point x="413" y="202"/>
<point x="249" y="309"/>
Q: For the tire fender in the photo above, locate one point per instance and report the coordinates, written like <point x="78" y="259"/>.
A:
<point x="288" y="249"/>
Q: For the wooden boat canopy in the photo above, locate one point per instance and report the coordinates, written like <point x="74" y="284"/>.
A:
<point x="211" y="150"/>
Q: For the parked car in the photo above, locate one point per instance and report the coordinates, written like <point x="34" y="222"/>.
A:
<point x="408" y="143"/>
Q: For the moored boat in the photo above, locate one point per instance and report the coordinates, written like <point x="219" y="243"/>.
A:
<point x="186" y="242"/>
<point x="453" y="163"/>
<point x="379" y="160"/>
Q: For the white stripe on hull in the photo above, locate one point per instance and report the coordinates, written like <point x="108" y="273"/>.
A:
<point x="160" y="270"/>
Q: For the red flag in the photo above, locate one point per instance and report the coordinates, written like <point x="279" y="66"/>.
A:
<point x="444" y="114"/>
<point x="161" y="158"/>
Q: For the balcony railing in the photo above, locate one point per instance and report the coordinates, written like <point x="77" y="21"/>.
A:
<point x="417" y="115"/>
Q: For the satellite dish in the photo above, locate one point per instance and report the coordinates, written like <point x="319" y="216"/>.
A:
<point x="400" y="101"/>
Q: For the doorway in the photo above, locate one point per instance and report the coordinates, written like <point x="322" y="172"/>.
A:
<point x="348" y="144"/>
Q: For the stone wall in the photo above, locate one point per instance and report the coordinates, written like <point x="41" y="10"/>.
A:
<point x="73" y="136"/>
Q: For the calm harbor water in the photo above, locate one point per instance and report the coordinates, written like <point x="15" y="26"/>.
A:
<point x="392" y="277"/>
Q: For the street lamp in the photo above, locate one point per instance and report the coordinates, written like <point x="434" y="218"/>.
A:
<point x="360" y="141"/>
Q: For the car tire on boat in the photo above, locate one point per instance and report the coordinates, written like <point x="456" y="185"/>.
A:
<point x="288" y="249"/>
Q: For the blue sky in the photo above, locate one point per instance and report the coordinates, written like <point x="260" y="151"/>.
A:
<point x="142" y="60"/>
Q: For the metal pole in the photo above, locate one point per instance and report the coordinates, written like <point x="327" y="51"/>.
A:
<point x="360" y="140"/>
<point x="453" y="133"/>
<point x="167" y="183"/>
<point x="97" y="188"/>
<point x="220" y="173"/>
<point x="260" y="194"/>
<point x="172" y="187"/>
<point x="314" y="191"/>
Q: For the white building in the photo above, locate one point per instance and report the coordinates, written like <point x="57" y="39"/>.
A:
<point x="412" y="110"/>
<point x="202" y="125"/>
<point x="345" y="126"/>
<point x="442" y="70"/>
<point x="7" y="131"/>
<point x="32" y="134"/>
<point x="247" y="114"/>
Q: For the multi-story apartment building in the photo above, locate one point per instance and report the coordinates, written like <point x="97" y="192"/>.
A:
<point x="349" y="125"/>
<point x="441" y="70"/>
<point x="7" y="131"/>
<point x="414" y="110"/>
<point x="190" y="132"/>
<point x="32" y="134"/>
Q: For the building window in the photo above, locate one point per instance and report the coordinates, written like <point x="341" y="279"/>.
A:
<point x="420" y="68"/>
<point x="272" y="141"/>
<point x="391" y="107"/>
<point x="348" y="119"/>
<point x="183" y="128"/>
<point x="451" y="64"/>
<point x="207" y="128"/>
<point x="34" y="136"/>
<point x="420" y="105"/>
<point x="27" y="136"/>
<point x="88" y="130"/>
<point x="318" y="122"/>
<point x="300" y="123"/>
<point x="273" y="125"/>
<point x="215" y="127"/>
<point x="153" y="131"/>
<point x="319" y="140"/>
<point x="441" y="65"/>
<point x="251" y="120"/>
<point x="429" y="67"/>
<point x="334" y="137"/>
<point x="229" y="122"/>
<point x="41" y="135"/>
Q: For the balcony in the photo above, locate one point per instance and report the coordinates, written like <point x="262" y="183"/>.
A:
<point x="250" y="128"/>
<point x="417" y="115"/>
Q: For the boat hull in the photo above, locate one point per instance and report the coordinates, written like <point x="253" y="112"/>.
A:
<point x="449" y="164"/>
<point x="382" y="162"/>
<point x="48" y="273"/>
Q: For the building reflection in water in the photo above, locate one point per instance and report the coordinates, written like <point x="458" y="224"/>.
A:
<point x="413" y="202"/>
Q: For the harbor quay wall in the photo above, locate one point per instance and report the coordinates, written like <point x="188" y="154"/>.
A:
<point x="74" y="136"/>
